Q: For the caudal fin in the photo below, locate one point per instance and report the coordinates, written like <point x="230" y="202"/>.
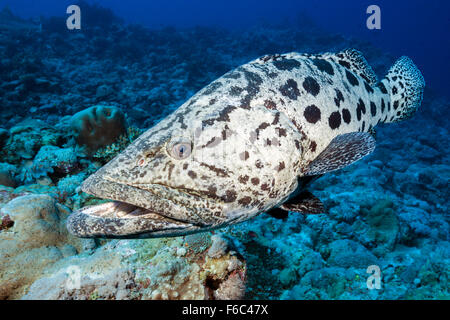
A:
<point x="405" y="84"/>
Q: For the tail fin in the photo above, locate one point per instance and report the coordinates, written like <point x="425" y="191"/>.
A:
<point x="405" y="84"/>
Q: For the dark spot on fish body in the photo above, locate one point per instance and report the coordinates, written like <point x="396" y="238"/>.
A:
<point x="281" y="132"/>
<point x="225" y="133"/>
<point x="363" y="126"/>
<point x="212" y="87"/>
<point x="360" y="109"/>
<point x="395" y="105"/>
<point x="369" y="89"/>
<point x="394" y="90"/>
<point x="270" y="57"/>
<point x="265" y="187"/>
<point x="276" y="118"/>
<point x="351" y="78"/>
<point x="212" y="143"/>
<point x="235" y="91"/>
<point x="263" y="126"/>
<point x="383" y="106"/>
<point x="243" y="179"/>
<point x="286" y="64"/>
<point x="339" y="97"/>
<point x="362" y="75"/>
<point x="269" y="104"/>
<point x="180" y="119"/>
<point x="324" y="66"/>
<point x="312" y="114"/>
<point x="256" y="203"/>
<point x="259" y="164"/>
<point x="244" y="155"/>
<point x="254" y="181"/>
<point x="185" y="166"/>
<point x="313" y="146"/>
<point x="171" y="166"/>
<point x="273" y="195"/>
<point x="219" y="172"/>
<point x="345" y="64"/>
<point x="290" y="89"/>
<point x="192" y="174"/>
<point x="334" y="120"/>
<point x="212" y="101"/>
<point x="373" y="109"/>
<point x="281" y="166"/>
<point x="223" y="116"/>
<point x="230" y="196"/>
<point x="311" y="86"/>
<point x="346" y="116"/>
<point x="212" y="192"/>
<point x="253" y="78"/>
<point x="245" y="201"/>
<point x="382" y="88"/>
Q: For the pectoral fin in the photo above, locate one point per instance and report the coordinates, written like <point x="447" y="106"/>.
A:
<point x="342" y="151"/>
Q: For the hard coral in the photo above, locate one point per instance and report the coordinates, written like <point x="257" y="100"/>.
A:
<point x="6" y="222"/>
<point x="107" y="153"/>
<point x="50" y="160"/>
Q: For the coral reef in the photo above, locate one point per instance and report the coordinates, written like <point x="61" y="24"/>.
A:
<point x="389" y="210"/>
<point x="98" y="126"/>
<point x="33" y="240"/>
<point x="110" y="151"/>
<point x="143" y="269"/>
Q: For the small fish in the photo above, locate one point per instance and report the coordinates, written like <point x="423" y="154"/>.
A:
<point x="249" y="142"/>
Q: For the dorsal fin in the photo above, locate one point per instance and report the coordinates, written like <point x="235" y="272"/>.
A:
<point x="342" y="151"/>
<point x="353" y="60"/>
<point x="350" y="59"/>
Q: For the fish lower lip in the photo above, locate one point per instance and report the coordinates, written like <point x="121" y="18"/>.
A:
<point x="118" y="210"/>
<point x="122" y="220"/>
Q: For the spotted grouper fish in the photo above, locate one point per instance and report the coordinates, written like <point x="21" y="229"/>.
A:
<point x="248" y="143"/>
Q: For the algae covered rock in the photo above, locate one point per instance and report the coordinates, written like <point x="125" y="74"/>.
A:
<point x="32" y="243"/>
<point x="70" y="285"/>
<point x="98" y="126"/>
<point x="167" y="268"/>
<point x="49" y="161"/>
<point x="26" y="138"/>
<point x="383" y="226"/>
<point x="348" y="253"/>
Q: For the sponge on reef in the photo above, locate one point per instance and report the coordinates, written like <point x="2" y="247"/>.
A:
<point x="98" y="126"/>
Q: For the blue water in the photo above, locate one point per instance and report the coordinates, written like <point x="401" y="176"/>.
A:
<point x="140" y="60"/>
<point x="418" y="28"/>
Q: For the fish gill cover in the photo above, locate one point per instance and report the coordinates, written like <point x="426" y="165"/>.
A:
<point x="71" y="100"/>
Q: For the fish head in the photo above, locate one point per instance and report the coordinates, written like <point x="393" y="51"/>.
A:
<point x="182" y="177"/>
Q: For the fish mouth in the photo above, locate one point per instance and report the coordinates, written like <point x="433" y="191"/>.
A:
<point x="128" y="216"/>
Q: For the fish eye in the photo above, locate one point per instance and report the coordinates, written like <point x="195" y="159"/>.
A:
<point x="180" y="150"/>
